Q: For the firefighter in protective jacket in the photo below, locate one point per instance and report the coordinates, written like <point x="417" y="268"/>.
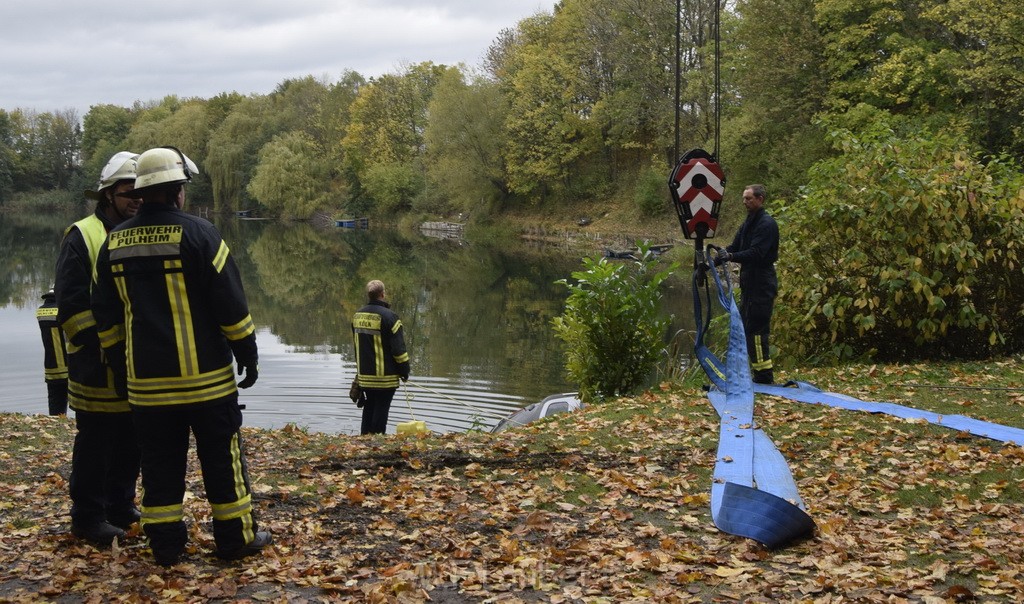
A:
<point x="756" y="248"/>
<point x="55" y="366"/>
<point x="105" y="459"/>
<point x="381" y="357"/>
<point x="173" y="318"/>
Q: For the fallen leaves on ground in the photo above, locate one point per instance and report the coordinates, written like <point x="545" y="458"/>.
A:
<point x="606" y="505"/>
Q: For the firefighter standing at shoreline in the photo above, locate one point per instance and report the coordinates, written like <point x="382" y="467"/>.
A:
<point x="173" y="317"/>
<point x="381" y="357"/>
<point x="55" y="366"/>
<point x="105" y="458"/>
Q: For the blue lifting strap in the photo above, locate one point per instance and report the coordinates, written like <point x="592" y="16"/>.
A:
<point x="753" y="493"/>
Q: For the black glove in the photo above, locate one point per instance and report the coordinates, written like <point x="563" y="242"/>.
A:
<point x="252" y="372"/>
<point x="722" y="258"/>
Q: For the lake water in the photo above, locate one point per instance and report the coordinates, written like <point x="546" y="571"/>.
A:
<point x="477" y="318"/>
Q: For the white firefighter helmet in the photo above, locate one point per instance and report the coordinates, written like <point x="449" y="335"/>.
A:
<point x="120" y="167"/>
<point x="163" y="166"/>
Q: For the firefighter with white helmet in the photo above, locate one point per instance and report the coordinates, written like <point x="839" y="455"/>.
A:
<point x="174" y="320"/>
<point x="105" y="459"/>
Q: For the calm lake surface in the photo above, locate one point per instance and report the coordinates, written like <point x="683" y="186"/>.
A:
<point x="477" y="318"/>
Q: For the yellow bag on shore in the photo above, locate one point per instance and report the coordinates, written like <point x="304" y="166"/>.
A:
<point x="411" y="428"/>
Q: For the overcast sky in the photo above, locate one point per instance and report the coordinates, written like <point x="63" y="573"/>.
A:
<point x="72" y="54"/>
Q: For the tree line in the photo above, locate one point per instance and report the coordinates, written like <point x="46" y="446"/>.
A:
<point x="817" y="98"/>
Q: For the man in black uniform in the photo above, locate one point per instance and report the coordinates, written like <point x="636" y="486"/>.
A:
<point x="756" y="248"/>
<point x="173" y="319"/>
<point x="105" y="458"/>
<point x="55" y="366"/>
<point x="381" y="358"/>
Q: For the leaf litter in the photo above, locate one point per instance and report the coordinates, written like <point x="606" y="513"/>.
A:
<point x="606" y="505"/>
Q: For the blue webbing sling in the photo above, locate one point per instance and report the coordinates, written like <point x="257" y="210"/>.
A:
<point x="753" y="493"/>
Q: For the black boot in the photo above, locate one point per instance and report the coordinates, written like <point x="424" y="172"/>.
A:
<point x="124" y="520"/>
<point x="262" y="539"/>
<point x="166" y="558"/>
<point x="765" y="376"/>
<point x="101" y="534"/>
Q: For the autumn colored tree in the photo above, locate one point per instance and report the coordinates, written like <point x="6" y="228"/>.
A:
<point x="384" y="143"/>
<point x="463" y="143"/>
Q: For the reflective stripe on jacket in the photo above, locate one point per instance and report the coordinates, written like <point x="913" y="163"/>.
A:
<point x="90" y="382"/>
<point x="169" y="301"/>
<point x="55" y="366"/>
<point x="381" y="357"/>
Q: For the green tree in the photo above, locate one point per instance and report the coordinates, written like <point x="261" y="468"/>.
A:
<point x="290" y="176"/>
<point x="233" y="152"/>
<point x="611" y="328"/>
<point x="47" y="145"/>
<point x="8" y="156"/>
<point x="986" y="60"/>
<point x="775" y="84"/>
<point x="183" y="124"/>
<point x="546" y="129"/>
<point x="104" y="127"/>
<point x="463" y="143"/>
<point x="904" y="245"/>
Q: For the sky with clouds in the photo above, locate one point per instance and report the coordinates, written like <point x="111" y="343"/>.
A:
<point x="72" y="54"/>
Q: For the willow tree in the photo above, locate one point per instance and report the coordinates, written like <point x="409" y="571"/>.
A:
<point x="233" y="152"/>
<point x="291" y="176"/>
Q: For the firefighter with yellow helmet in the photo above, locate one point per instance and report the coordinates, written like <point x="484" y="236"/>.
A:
<point x="105" y="458"/>
<point x="173" y="318"/>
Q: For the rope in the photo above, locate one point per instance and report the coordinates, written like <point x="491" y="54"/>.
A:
<point x="407" y="401"/>
<point x="455" y="400"/>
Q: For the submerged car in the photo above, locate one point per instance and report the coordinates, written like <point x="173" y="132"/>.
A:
<point x="556" y="403"/>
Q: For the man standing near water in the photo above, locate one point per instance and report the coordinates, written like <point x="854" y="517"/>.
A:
<point x="756" y="248"/>
<point x="105" y="458"/>
<point x="381" y="358"/>
<point x="173" y="319"/>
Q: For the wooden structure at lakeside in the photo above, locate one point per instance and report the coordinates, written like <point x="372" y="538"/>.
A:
<point x="443" y="230"/>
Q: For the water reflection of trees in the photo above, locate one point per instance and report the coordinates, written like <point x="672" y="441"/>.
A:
<point x="468" y="308"/>
<point x="472" y="310"/>
<point x="28" y="252"/>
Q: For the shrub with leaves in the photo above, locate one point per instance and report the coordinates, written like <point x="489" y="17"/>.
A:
<point x="611" y="328"/>
<point x="904" y="245"/>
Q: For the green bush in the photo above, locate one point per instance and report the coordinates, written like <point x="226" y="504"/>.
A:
<point x="651" y="195"/>
<point x="610" y="327"/>
<point x="904" y="245"/>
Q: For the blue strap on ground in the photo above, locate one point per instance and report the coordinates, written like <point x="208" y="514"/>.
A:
<point x="753" y="494"/>
<point x="807" y="393"/>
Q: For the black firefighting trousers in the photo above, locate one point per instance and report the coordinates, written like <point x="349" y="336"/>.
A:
<point x="164" y="438"/>
<point x="104" y="467"/>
